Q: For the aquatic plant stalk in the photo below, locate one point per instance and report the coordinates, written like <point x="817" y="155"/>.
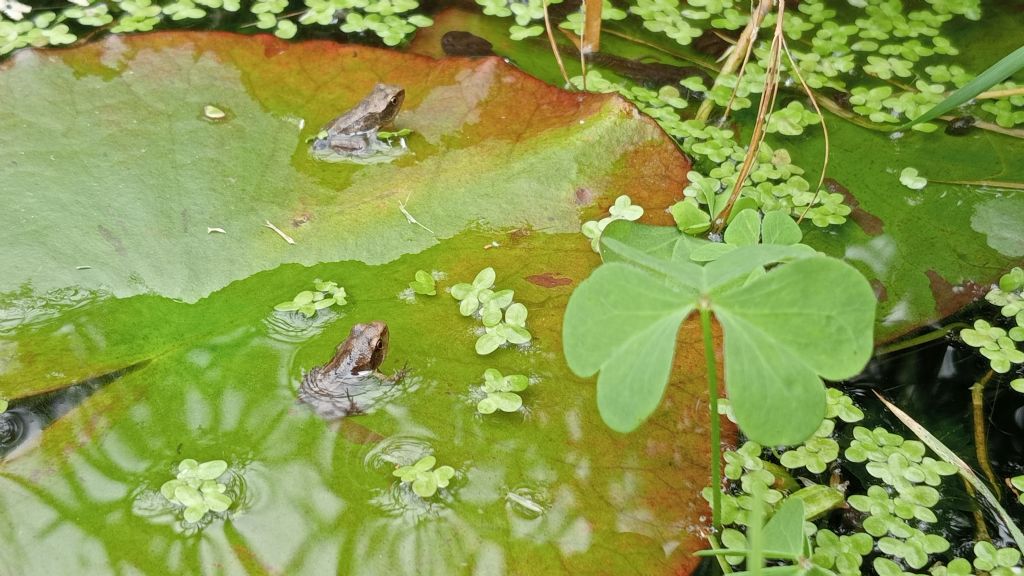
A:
<point x="591" y="26"/>
<point x="771" y="85"/>
<point x="922" y="339"/>
<point x="716" y="435"/>
<point x="554" y="46"/>
<point x="980" y="440"/>
<point x="740" y="53"/>
<point x="824" y="128"/>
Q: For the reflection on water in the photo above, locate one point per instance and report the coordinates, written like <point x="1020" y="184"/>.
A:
<point x="553" y="492"/>
<point x="25" y="418"/>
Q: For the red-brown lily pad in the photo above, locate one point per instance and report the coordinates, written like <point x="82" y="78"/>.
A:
<point x="117" y="181"/>
<point x="135" y="237"/>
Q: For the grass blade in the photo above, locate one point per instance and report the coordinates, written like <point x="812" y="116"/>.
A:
<point x="996" y="73"/>
<point x="965" y="470"/>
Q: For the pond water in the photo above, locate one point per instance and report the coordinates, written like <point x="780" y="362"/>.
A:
<point x="147" y="244"/>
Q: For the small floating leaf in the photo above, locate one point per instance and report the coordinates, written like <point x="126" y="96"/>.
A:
<point x="424" y="284"/>
<point x="425" y="485"/>
<point x="504" y="401"/>
<point x="910" y="179"/>
<point x="488" y="343"/>
<point x="217" y="502"/>
<point x="188" y="495"/>
<point x="211" y="470"/>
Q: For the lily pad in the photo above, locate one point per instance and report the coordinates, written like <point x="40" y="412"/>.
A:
<point x="220" y="384"/>
<point x="119" y="176"/>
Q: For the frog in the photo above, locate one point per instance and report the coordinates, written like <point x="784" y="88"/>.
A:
<point x="350" y="383"/>
<point x="354" y="133"/>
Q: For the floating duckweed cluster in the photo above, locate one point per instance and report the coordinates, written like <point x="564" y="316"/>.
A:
<point x="774" y="182"/>
<point x="423" y="477"/>
<point x="501" y="392"/>
<point x="308" y="302"/>
<point x="529" y="16"/>
<point x="20" y="25"/>
<point x="998" y="344"/>
<point x="894" y="513"/>
<point x="622" y="209"/>
<point x="198" y="489"/>
<point x="504" y="320"/>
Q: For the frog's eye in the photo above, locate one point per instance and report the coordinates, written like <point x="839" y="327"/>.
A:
<point x="394" y="100"/>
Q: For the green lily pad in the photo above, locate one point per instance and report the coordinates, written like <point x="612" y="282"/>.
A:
<point x="159" y="176"/>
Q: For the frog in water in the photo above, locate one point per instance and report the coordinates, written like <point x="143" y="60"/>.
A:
<point x="350" y="383"/>
<point x="354" y="133"/>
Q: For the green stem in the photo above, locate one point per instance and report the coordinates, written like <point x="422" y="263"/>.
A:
<point x="715" y="545"/>
<point x="922" y="339"/>
<point x="980" y="441"/>
<point x="716" y="441"/>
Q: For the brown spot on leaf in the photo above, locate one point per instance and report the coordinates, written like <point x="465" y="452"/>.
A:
<point x="584" y="196"/>
<point x="872" y="225"/>
<point x="549" y="280"/>
<point x="112" y="239"/>
<point x="879" y="289"/>
<point x="949" y="297"/>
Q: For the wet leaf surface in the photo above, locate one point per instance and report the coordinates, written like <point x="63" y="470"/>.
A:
<point x="119" y="176"/>
<point x="501" y="169"/>
<point x="903" y="240"/>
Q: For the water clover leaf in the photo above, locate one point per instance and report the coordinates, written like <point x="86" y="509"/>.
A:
<point x="996" y="561"/>
<point x="424" y="284"/>
<point x="622" y="209"/>
<point x="512" y="330"/>
<point x="1018" y="483"/>
<point x="424" y="479"/>
<point x="779" y="342"/>
<point x="3" y="405"/>
<point x="469" y="294"/>
<point x="689" y="217"/>
<point x="504" y="401"/>
<point x="501" y="392"/>
<point x="197" y="489"/>
<point x="308" y="302"/>
<point x="910" y="179"/>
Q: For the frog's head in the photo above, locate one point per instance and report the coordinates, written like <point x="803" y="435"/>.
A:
<point x="384" y="103"/>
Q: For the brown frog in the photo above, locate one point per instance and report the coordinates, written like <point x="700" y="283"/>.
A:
<point x="354" y="133"/>
<point x="350" y="383"/>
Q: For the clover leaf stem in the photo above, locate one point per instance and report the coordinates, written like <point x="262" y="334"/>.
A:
<point x="716" y="442"/>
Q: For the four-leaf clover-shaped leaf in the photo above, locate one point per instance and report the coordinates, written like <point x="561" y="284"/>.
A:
<point x="778" y="342"/>
<point x="308" y="302"/>
<point x="501" y="392"/>
<point x="424" y="479"/>
<point x="512" y="330"/>
<point x="469" y="294"/>
<point x="197" y="489"/>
